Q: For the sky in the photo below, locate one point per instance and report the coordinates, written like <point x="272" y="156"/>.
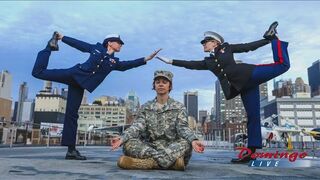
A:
<point x="177" y="27"/>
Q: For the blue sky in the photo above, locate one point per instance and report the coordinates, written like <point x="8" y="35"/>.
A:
<point x="177" y="27"/>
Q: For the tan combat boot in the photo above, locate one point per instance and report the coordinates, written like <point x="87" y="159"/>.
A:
<point x="127" y="162"/>
<point x="179" y="165"/>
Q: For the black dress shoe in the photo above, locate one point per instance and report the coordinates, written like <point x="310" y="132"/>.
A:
<point x="53" y="42"/>
<point x="271" y="33"/>
<point x="75" y="155"/>
<point x="242" y="160"/>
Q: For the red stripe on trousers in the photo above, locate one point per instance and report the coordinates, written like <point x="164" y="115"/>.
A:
<point x="279" y="55"/>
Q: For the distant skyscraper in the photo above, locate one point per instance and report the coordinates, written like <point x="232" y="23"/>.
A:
<point x="263" y="88"/>
<point x="5" y="85"/>
<point x="202" y="116"/>
<point x="228" y="110"/>
<point x="314" y="78"/>
<point x="300" y="89"/>
<point x="283" y="88"/>
<point x="23" y="96"/>
<point x="27" y="111"/>
<point x="191" y="103"/>
<point x="132" y="101"/>
<point x="64" y="92"/>
<point x="56" y="91"/>
<point x="5" y="95"/>
<point x="219" y="108"/>
<point x="84" y="98"/>
<point x="287" y="88"/>
<point x="47" y="87"/>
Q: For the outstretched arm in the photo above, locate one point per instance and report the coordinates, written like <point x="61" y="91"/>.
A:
<point x="125" y="65"/>
<point x="198" y="65"/>
<point x="245" y="47"/>
<point x="80" y="45"/>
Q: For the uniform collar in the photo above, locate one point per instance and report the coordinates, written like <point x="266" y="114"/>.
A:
<point x="104" y="50"/>
<point x="212" y="54"/>
<point x="167" y="106"/>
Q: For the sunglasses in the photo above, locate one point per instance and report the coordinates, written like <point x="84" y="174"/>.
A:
<point x="205" y="41"/>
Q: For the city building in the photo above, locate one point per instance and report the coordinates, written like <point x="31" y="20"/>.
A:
<point x="285" y="88"/>
<point x="304" y="112"/>
<point x="314" y="78"/>
<point x="108" y="115"/>
<point x="101" y="116"/>
<point x="132" y="102"/>
<point x="282" y="88"/>
<point x="191" y="103"/>
<point x="228" y="109"/>
<point x="23" y="96"/>
<point x="49" y="114"/>
<point x="5" y="108"/>
<point x="300" y="89"/>
<point x="5" y="96"/>
<point x="203" y="114"/>
<point x="263" y="89"/>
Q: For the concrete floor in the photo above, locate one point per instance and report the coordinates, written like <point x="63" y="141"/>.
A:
<point x="48" y="163"/>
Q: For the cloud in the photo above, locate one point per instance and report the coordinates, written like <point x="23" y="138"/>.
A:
<point x="177" y="27"/>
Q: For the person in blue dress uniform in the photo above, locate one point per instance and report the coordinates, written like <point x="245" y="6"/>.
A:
<point x="87" y="75"/>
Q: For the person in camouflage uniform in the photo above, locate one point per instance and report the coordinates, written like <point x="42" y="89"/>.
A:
<point x="160" y="137"/>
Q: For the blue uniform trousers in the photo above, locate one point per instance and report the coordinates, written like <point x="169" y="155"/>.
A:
<point x="75" y="93"/>
<point x="250" y="93"/>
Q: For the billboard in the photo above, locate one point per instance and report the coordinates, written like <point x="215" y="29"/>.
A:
<point x="54" y="129"/>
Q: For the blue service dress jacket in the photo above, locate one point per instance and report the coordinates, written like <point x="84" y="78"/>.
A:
<point x="91" y="73"/>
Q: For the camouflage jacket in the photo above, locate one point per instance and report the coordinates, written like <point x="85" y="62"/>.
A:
<point x="168" y="123"/>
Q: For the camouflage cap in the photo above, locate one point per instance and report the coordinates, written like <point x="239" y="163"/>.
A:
<point x="161" y="73"/>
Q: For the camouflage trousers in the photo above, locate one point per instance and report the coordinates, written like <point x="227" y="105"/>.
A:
<point x="164" y="152"/>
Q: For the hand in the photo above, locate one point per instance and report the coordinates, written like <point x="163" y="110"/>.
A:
<point x="59" y="36"/>
<point x="197" y="146"/>
<point x="152" y="55"/>
<point x="115" y="143"/>
<point x="166" y="60"/>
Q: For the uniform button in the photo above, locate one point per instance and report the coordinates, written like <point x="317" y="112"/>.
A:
<point x="215" y="60"/>
<point x="218" y="65"/>
<point x="98" y="65"/>
<point x="101" y="60"/>
<point x="221" y="70"/>
<point x="93" y="72"/>
<point x="225" y="75"/>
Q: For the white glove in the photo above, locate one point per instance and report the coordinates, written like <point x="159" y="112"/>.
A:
<point x="164" y="59"/>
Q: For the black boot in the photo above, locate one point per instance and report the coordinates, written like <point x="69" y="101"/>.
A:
<point x="271" y="33"/>
<point x="74" y="154"/>
<point x="53" y="42"/>
<point x="245" y="158"/>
